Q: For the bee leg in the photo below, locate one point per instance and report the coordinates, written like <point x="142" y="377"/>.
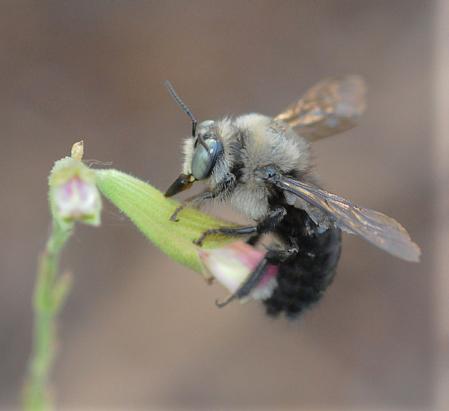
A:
<point x="195" y="201"/>
<point x="280" y="255"/>
<point x="266" y="225"/>
<point x="271" y="257"/>
<point x="227" y="231"/>
<point x="254" y="239"/>
<point x="250" y="282"/>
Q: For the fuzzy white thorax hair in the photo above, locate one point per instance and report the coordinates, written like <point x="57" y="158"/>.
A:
<point x="263" y="141"/>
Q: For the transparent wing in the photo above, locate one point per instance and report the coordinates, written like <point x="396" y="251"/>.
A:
<point x="330" y="107"/>
<point x="377" y="228"/>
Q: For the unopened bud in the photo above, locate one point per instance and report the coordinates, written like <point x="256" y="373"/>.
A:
<point x="78" y="150"/>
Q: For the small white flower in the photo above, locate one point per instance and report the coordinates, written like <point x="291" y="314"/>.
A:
<point x="73" y="193"/>
<point x="76" y="199"/>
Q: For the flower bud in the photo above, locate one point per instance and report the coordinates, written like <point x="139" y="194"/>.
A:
<point x="230" y="266"/>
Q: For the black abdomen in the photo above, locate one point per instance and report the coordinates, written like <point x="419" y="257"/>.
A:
<point x="303" y="279"/>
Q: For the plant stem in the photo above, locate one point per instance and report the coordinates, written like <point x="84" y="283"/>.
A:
<point x="49" y="295"/>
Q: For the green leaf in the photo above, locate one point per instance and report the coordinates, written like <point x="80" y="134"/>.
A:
<point x="150" y="211"/>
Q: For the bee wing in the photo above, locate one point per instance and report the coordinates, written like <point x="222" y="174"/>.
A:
<point x="330" y="107"/>
<point x="375" y="227"/>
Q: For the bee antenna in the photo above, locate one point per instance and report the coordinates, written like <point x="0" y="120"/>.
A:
<point x="181" y="104"/>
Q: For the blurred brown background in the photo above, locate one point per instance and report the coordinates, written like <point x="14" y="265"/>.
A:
<point x="139" y="331"/>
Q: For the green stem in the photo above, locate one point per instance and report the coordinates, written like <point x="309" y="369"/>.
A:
<point x="49" y="295"/>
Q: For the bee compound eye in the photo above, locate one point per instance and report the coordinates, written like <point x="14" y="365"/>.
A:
<point x="203" y="160"/>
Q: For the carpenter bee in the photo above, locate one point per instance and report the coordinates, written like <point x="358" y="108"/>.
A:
<point x="262" y="166"/>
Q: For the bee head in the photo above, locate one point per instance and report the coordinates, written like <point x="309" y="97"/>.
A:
<point x="201" y="150"/>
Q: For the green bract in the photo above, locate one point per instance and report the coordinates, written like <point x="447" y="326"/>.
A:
<point x="150" y="211"/>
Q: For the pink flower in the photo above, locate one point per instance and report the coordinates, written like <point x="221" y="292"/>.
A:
<point x="77" y="199"/>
